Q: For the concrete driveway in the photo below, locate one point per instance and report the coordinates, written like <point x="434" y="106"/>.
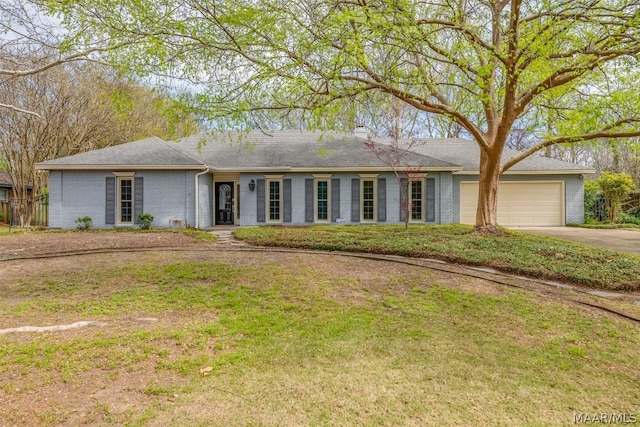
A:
<point x="622" y="240"/>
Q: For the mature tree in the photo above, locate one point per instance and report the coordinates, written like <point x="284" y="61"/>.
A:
<point x="76" y="107"/>
<point x="32" y="41"/>
<point x="484" y="65"/>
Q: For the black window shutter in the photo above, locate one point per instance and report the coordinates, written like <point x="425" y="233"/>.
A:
<point x="404" y="198"/>
<point x="308" y="200"/>
<point x="355" y="200"/>
<point x="382" y="199"/>
<point x="286" y="200"/>
<point x="138" y="198"/>
<point x="260" y="214"/>
<point x="110" y="202"/>
<point x="335" y="199"/>
<point x="431" y="199"/>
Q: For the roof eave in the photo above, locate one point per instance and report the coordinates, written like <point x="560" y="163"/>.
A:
<point x="535" y="172"/>
<point x="333" y="169"/>
<point x="120" y="167"/>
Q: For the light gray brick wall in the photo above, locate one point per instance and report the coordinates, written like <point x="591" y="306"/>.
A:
<point x="393" y="197"/>
<point x="444" y="198"/>
<point x="167" y="195"/>
<point x="297" y="197"/>
<point x="345" y="195"/>
<point x="574" y="199"/>
<point x="205" y="197"/>
<point x="55" y="199"/>
<point x="248" y="200"/>
<point x="79" y="194"/>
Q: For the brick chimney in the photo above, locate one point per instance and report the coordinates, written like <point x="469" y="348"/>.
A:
<point x="361" y="132"/>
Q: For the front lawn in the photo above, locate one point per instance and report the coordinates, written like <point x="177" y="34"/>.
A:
<point x="259" y="338"/>
<point x="515" y="252"/>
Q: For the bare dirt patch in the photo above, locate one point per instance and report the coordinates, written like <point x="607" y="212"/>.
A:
<point x="39" y="243"/>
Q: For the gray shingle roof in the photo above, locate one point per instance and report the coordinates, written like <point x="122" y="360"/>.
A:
<point x="466" y="153"/>
<point x="5" y="180"/>
<point x="291" y="150"/>
<point x="150" y="152"/>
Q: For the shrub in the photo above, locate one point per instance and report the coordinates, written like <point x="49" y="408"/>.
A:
<point x="44" y="194"/>
<point x="615" y="187"/>
<point x="594" y="203"/>
<point x="84" y="223"/>
<point x="626" y="218"/>
<point x="145" y="220"/>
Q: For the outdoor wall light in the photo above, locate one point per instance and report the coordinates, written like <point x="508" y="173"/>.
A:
<point x="252" y="185"/>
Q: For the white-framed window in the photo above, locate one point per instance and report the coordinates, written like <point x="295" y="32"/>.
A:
<point x="124" y="198"/>
<point x="369" y="198"/>
<point x="4" y="195"/>
<point x="274" y="198"/>
<point x="416" y="198"/>
<point x="322" y="197"/>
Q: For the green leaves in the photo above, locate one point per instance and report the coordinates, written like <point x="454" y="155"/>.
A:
<point x="253" y="58"/>
<point x="568" y="71"/>
<point x="615" y="187"/>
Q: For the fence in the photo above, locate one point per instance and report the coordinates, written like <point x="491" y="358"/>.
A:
<point x="5" y="209"/>
<point x="596" y="208"/>
<point x="24" y="213"/>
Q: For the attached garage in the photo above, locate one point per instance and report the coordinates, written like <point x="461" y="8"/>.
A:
<point x="530" y="203"/>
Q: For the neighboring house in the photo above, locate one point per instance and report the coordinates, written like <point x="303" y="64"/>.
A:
<point x="297" y="178"/>
<point x="5" y="186"/>
<point x="5" y="191"/>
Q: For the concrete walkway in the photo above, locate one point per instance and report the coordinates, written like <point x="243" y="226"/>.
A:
<point x="619" y="239"/>
<point x="224" y="233"/>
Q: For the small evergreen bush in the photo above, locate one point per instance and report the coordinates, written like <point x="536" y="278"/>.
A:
<point x="145" y="220"/>
<point x="84" y="223"/>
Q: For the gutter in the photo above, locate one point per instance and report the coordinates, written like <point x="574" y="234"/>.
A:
<point x="116" y="167"/>
<point x="197" y="195"/>
<point x="534" y="172"/>
<point x="337" y="169"/>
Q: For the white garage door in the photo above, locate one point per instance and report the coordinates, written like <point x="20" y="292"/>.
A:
<point x="539" y="203"/>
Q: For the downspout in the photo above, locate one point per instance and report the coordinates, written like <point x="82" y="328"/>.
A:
<point x="197" y="195"/>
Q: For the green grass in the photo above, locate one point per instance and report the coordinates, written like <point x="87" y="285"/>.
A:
<point x="514" y="252"/>
<point x="292" y="345"/>
<point x="5" y="229"/>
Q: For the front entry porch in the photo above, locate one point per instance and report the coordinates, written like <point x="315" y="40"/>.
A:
<point x="224" y="206"/>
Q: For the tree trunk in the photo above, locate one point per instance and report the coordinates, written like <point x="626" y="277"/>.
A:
<point x="487" y="213"/>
